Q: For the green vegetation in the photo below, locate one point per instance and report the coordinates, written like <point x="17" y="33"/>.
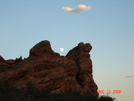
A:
<point x="18" y="60"/>
<point x="9" y="93"/>
<point x="106" y="98"/>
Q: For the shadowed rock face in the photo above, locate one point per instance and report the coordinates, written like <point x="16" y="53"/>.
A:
<point x="47" y="69"/>
<point x="2" y="61"/>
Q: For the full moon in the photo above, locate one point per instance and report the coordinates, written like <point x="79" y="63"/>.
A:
<point x="61" y="49"/>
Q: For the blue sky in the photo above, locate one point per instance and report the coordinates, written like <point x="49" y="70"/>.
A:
<point x="108" y="26"/>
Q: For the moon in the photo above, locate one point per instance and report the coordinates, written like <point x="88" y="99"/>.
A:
<point x="61" y="49"/>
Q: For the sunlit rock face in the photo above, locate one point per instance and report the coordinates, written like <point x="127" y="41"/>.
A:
<point x="80" y="54"/>
<point x="46" y="69"/>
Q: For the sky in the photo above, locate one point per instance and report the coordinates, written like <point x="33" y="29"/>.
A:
<point x="108" y="25"/>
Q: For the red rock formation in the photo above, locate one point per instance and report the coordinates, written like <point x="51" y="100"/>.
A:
<point x="80" y="54"/>
<point x="40" y="48"/>
<point x="2" y="61"/>
<point x="47" y="69"/>
<point x="10" y="61"/>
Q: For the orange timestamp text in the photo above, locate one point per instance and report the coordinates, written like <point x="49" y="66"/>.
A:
<point x="110" y="91"/>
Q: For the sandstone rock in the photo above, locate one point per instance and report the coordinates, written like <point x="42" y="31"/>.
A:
<point x="10" y="61"/>
<point x="80" y="54"/>
<point x="40" y="48"/>
<point x="2" y="61"/>
<point x="47" y="69"/>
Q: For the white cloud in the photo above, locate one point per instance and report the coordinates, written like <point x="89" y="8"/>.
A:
<point x="129" y="76"/>
<point x="77" y="10"/>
